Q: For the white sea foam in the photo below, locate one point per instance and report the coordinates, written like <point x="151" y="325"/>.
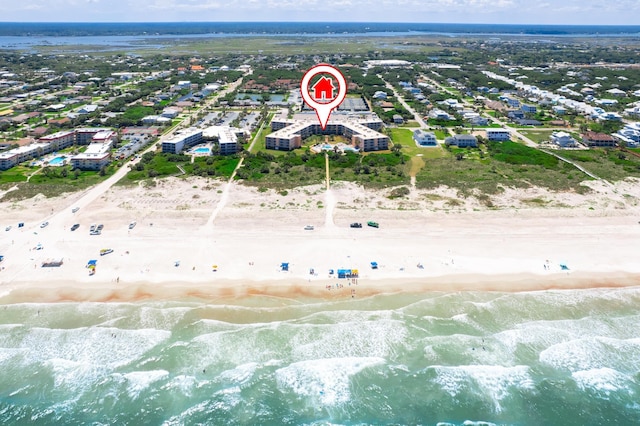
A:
<point x="7" y="353"/>
<point x="379" y="338"/>
<point x="138" y="381"/>
<point x="98" y="346"/>
<point x="183" y="384"/>
<point x="494" y="381"/>
<point x="324" y="380"/>
<point x="593" y="353"/>
<point x="603" y="381"/>
<point x="239" y="375"/>
<point x="74" y="376"/>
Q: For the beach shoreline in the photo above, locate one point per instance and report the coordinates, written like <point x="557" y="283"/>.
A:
<point x="223" y="291"/>
<point x="203" y="239"/>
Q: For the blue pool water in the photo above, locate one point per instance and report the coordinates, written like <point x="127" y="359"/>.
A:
<point x="56" y="161"/>
<point x="202" y="150"/>
<point x="327" y="147"/>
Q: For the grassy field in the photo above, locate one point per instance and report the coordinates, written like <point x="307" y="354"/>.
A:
<point x="609" y="164"/>
<point x="51" y="184"/>
<point x="537" y="136"/>
<point x="505" y="164"/>
<point x="163" y="165"/>
<point x="294" y="169"/>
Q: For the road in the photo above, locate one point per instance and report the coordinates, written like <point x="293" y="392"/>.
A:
<point x="416" y="116"/>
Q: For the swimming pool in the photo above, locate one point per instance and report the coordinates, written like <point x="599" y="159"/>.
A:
<point x="202" y="150"/>
<point x="57" y="161"/>
<point x="327" y="147"/>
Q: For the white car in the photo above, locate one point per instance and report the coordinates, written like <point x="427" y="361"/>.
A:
<point x="8" y="228"/>
<point x="132" y="225"/>
<point x="44" y="224"/>
<point x="308" y="228"/>
<point x="75" y="209"/>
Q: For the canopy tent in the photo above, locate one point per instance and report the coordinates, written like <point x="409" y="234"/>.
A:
<point x="374" y="265"/>
<point x="284" y="266"/>
<point x="92" y="262"/>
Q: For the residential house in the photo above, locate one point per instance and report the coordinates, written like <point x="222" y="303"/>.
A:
<point x="87" y="109"/>
<point x="630" y="135"/>
<point x="423" y="138"/>
<point x="515" y="114"/>
<point x="397" y="119"/>
<point x="462" y="141"/>
<point x="563" y="140"/>
<point x="592" y="139"/>
<point x="559" y="110"/>
<point x="498" y="134"/>
<point x="439" y="114"/>
<point x="612" y="116"/>
<point x="529" y="109"/>
<point x="617" y="92"/>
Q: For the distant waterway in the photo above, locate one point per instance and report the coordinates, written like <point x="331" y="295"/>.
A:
<point x="113" y="36"/>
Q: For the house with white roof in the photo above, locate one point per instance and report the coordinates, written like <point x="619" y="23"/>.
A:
<point x="616" y="92"/>
<point x="563" y="140"/>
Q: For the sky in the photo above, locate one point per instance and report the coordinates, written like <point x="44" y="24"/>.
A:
<point x="612" y="12"/>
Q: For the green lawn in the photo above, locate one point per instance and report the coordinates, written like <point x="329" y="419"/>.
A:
<point x="537" y="136"/>
<point x="402" y="136"/>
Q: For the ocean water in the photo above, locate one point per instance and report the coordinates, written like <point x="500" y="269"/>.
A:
<point x="472" y="358"/>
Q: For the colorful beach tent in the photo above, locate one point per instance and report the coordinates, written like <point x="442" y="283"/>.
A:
<point x="92" y="262"/>
<point x="284" y="266"/>
<point x="374" y="265"/>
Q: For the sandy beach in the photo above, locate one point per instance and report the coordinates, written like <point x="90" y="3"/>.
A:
<point x="431" y="240"/>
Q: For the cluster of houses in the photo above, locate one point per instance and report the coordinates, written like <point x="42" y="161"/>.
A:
<point x="560" y="103"/>
<point x="463" y="140"/>
<point x="95" y="156"/>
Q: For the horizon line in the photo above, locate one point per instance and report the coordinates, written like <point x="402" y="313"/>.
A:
<point x="316" y="22"/>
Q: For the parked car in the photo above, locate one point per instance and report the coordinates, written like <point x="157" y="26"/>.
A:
<point x="308" y="228"/>
<point x="92" y="228"/>
<point x="75" y="226"/>
<point x="75" y="209"/>
<point x="356" y="225"/>
<point x="44" y="224"/>
<point x="99" y="228"/>
<point x="132" y="225"/>
<point x="8" y="228"/>
<point x="373" y="224"/>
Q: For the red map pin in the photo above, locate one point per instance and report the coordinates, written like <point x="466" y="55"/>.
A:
<point x="323" y="89"/>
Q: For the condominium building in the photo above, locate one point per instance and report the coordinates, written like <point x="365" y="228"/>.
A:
<point x="362" y="129"/>
<point x="95" y="157"/>
<point x="60" y="140"/>
<point x="182" y="140"/>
